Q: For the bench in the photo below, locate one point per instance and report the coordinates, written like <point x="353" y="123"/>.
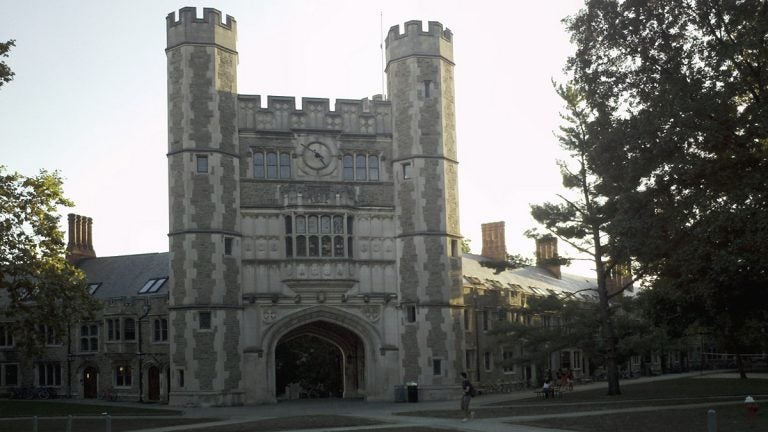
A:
<point x="554" y="392"/>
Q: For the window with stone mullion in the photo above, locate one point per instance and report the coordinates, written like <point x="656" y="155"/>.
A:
<point x="316" y="236"/>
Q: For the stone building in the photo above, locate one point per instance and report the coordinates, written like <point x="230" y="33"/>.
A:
<point x="338" y="222"/>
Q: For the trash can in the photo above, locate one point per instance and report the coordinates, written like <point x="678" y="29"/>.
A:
<point x="413" y="391"/>
<point x="400" y="395"/>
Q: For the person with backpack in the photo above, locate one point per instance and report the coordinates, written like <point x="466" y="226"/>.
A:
<point x="469" y="393"/>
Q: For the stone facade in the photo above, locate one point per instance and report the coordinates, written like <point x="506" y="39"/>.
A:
<point x="289" y="221"/>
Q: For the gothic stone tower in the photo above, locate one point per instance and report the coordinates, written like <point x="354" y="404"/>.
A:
<point x="420" y="80"/>
<point x="203" y="166"/>
<point x="339" y="224"/>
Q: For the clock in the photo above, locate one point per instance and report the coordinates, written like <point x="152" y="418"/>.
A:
<point x="316" y="155"/>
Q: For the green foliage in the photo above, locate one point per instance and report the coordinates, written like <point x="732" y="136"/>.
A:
<point x="680" y="100"/>
<point x="312" y="362"/>
<point x="6" y="74"/>
<point x="465" y="247"/>
<point x="512" y="262"/>
<point x="38" y="285"/>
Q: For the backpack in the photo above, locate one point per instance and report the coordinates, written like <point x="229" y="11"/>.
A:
<point x="472" y="391"/>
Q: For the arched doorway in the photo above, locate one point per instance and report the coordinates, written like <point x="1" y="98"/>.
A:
<point x="153" y="378"/>
<point x="319" y="359"/>
<point x="90" y="382"/>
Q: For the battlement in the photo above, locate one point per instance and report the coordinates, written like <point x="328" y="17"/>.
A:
<point x="353" y="116"/>
<point x="206" y="30"/>
<point x="413" y="28"/>
<point x="435" y="42"/>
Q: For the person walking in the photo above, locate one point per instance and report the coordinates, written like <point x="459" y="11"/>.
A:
<point x="466" y="397"/>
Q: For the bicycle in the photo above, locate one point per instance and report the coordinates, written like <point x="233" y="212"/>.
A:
<point x="108" y="395"/>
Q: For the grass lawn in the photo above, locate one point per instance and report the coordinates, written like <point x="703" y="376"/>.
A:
<point x="10" y="410"/>
<point x="24" y="408"/>
<point x="656" y="395"/>
<point x="300" y="422"/>
<point x="93" y="425"/>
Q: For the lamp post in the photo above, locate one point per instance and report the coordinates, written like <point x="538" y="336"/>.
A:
<point x="145" y="311"/>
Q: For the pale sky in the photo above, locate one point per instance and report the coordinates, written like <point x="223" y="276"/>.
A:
<point x="89" y="97"/>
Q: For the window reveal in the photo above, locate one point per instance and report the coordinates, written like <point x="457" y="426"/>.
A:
<point x="360" y="167"/>
<point x="321" y="236"/>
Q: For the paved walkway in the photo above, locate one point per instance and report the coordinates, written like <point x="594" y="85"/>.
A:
<point x="386" y="412"/>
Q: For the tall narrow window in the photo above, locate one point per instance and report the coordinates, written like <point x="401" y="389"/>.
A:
<point x="285" y="165"/>
<point x="349" y="167"/>
<point x="89" y="338"/>
<point x="427" y="85"/>
<point x="437" y="367"/>
<point x="373" y="168"/>
<point x="129" y="329"/>
<point x="161" y="330"/>
<point x="113" y="329"/>
<point x="227" y="245"/>
<point x="410" y="313"/>
<point x="205" y="320"/>
<point x="406" y="170"/>
<point x="123" y="376"/>
<point x="202" y="164"/>
<point x="467" y="320"/>
<point x="180" y="374"/>
<point x="487" y="360"/>
<point x="360" y="168"/>
<point x="6" y="335"/>
<point x="325" y="246"/>
<point x="271" y="165"/>
<point x="258" y="165"/>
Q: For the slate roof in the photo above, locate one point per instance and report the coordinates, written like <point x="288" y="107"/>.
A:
<point x="533" y="280"/>
<point x="125" y="275"/>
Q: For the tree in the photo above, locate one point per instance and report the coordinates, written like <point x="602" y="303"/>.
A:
<point x="582" y="219"/>
<point x="40" y="287"/>
<point x="6" y="74"/>
<point x="465" y="247"/>
<point x="679" y="92"/>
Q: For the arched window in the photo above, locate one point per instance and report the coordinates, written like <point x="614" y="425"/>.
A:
<point x="271" y="165"/>
<point x="285" y="166"/>
<point x="349" y="167"/>
<point x="373" y="168"/>
<point x="318" y="236"/>
<point x="360" y="168"/>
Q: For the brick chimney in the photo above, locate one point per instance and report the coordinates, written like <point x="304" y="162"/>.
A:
<point x="80" y="243"/>
<point x="546" y="249"/>
<point x="494" y="243"/>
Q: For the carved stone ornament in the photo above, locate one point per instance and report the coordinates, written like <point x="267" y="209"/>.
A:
<point x="269" y="316"/>
<point x="372" y="313"/>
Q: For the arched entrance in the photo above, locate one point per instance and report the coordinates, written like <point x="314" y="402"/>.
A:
<point x="319" y="359"/>
<point x="90" y="382"/>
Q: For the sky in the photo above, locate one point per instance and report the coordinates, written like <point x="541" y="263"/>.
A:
<point x="89" y="97"/>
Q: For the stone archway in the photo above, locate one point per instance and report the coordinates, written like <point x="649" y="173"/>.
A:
<point x="357" y="339"/>
<point x="319" y="359"/>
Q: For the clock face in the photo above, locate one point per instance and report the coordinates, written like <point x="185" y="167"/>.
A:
<point x="316" y="155"/>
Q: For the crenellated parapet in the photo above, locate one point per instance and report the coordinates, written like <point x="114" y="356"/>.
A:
<point x="416" y="42"/>
<point x="352" y="116"/>
<point x="208" y="30"/>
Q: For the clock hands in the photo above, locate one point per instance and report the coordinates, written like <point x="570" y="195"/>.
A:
<point x="314" y="152"/>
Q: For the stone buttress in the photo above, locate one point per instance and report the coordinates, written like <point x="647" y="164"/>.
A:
<point x="204" y="199"/>
<point x="420" y="84"/>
